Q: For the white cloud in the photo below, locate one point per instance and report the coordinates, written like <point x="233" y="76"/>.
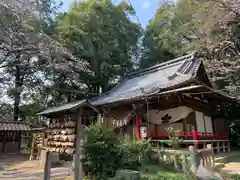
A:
<point x="146" y="4"/>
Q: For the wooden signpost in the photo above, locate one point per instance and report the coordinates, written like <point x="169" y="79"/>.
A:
<point x="78" y="172"/>
<point x="65" y="134"/>
<point x="59" y="140"/>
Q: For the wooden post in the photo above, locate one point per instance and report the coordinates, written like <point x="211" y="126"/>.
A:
<point x="204" y="145"/>
<point x="195" y="136"/>
<point x="138" y="119"/>
<point x="210" y="146"/>
<point x="19" y="138"/>
<point x="47" y="166"/>
<point x="223" y="146"/>
<point x="218" y="147"/>
<point x="32" y="146"/>
<point x="228" y="144"/>
<point x="78" y="169"/>
<point x="193" y="160"/>
<point x="4" y="142"/>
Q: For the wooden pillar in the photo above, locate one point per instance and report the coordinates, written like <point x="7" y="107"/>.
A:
<point x="78" y="172"/>
<point x="223" y="146"/>
<point x="47" y="166"/>
<point x="195" y="136"/>
<point x="193" y="158"/>
<point x="19" y="139"/>
<point x="204" y="145"/>
<point x="218" y="147"/>
<point x="138" y="120"/>
<point x="43" y="138"/>
<point x="32" y="146"/>
<point x="229" y="148"/>
<point x="4" y="141"/>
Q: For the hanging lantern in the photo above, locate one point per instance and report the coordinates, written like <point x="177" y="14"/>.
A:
<point x="143" y="131"/>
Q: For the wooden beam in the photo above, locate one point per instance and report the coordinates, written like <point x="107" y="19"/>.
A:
<point x="78" y="172"/>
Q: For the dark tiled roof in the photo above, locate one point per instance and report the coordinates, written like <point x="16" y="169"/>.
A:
<point x="68" y="106"/>
<point x="14" y="126"/>
<point x="65" y="107"/>
<point x="152" y="80"/>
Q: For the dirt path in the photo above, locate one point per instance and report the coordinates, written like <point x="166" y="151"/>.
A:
<point x="232" y="164"/>
<point x="19" y="168"/>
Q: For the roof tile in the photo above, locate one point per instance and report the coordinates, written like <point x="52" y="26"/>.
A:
<point x="14" y="126"/>
<point x="152" y="80"/>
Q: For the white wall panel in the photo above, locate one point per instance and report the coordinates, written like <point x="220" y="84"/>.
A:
<point x="200" y="121"/>
<point x="208" y="124"/>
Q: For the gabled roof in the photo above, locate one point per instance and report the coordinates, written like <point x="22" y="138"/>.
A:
<point x="168" y="75"/>
<point x="65" y="107"/>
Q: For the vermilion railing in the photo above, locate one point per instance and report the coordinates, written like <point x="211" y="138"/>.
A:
<point x="194" y="135"/>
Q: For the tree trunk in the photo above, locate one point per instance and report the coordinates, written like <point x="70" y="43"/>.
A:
<point x="18" y="86"/>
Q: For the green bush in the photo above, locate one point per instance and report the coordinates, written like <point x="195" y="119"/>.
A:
<point x="135" y="153"/>
<point x="104" y="153"/>
<point x="101" y="152"/>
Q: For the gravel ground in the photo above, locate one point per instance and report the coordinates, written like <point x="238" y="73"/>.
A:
<point x="19" y="168"/>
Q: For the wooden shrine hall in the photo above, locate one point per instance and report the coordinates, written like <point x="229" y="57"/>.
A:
<point x="176" y="94"/>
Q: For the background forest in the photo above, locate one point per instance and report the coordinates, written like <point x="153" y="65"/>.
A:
<point x="49" y="58"/>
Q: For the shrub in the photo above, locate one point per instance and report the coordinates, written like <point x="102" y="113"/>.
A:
<point x="135" y="153"/>
<point x="101" y="152"/>
<point x="173" y="137"/>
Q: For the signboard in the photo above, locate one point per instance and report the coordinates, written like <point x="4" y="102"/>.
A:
<point x="61" y="135"/>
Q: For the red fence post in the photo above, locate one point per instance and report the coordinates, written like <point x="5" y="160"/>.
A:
<point x="195" y="136"/>
<point x="138" y="119"/>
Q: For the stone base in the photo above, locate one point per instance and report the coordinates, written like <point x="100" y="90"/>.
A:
<point x="54" y="158"/>
<point x="127" y="175"/>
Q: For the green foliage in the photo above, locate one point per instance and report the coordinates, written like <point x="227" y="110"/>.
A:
<point x="104" y="152"/>
<point x="102" y="155"/>
<point x="173" y="137"/>
<point x="234" y="177"/>
<point x="189" y="175"/>
<point x="168" y="34"/>
<point x="156" y="172"/>
<point x="135" y="153"/>
<point x="101" y="33"/>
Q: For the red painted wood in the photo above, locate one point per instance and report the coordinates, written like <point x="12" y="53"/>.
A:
<point x="138" y="121"/>
<point x="195" y="135"/>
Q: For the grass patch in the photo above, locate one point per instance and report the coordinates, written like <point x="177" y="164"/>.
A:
<point x="154" y="172"/>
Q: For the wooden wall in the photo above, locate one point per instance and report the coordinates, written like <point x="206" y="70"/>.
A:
<point x="167" y="102"/>
<point x="10" y="142"/>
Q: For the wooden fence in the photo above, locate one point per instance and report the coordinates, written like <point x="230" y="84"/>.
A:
<point x="191" y="158"/>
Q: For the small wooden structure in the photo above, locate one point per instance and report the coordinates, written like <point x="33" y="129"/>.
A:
<point x="11" y="133"/>
<point x="65" y="132"/>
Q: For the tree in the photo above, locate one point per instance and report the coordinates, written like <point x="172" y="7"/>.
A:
<point x="168" y="34"/>
<point x="101" y="33"/>
<point x="209" y="27"/>
<point x="27" y="53"/>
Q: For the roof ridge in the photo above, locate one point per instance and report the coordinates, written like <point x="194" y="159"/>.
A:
<point x="159" y="65"/>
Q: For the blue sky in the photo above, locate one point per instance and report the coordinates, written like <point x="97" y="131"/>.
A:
<point x="145" y="9"/>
